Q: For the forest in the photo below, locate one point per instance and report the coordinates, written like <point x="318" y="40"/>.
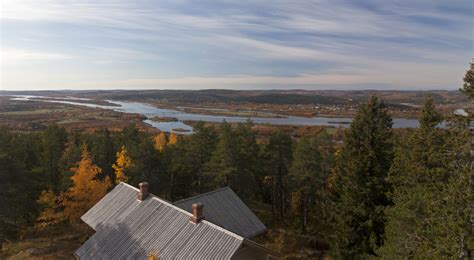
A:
<point x="382" y="193"/>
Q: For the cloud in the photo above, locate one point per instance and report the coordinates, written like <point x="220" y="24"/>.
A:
<point x="417" y="43"/>
<point x="12" y="55"/>
<point x="408" y="78"/>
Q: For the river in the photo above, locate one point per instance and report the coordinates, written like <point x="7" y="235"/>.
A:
<point x="150" y="111"/>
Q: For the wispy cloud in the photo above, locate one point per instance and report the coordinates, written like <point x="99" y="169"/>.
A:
<point x="423" y="43"/>
<point x="16" y="55"/>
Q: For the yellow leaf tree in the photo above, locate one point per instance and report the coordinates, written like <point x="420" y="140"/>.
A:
<point x="173" y="139"/>
<point x="123" y="162"/>
<point x="87" y="188"/>
<point x="160" y="141"/>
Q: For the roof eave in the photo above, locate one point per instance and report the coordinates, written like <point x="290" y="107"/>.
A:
<point x="250" y="243"/>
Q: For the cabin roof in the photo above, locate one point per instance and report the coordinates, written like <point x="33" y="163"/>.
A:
<point x="224" y="208"/>
<point x="129" y="228"/>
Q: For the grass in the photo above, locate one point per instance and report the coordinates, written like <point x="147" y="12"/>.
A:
<point x="35" y="112"/>
<point x="284" y="239"/>
<point x="58" y="242"/>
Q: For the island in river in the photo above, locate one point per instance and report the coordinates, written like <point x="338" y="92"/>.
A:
<point x="148" y="112"/>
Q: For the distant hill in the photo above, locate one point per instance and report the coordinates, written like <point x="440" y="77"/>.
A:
<point x="260" y="96"/>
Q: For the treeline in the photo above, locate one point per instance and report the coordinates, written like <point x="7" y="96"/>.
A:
<point x="396" y="195"/>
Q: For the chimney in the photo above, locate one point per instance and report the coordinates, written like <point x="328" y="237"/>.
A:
<point x="197" y="213"/>
<point x="143" y="193"/>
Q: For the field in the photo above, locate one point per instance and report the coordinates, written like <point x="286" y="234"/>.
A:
<point x="59" y="242"/>
<point x="36" y="115"/>
<point x="261" y="103"/>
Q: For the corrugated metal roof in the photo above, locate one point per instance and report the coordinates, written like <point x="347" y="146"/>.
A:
<point x="224" y="208"/>
<point x="127" y="228"/>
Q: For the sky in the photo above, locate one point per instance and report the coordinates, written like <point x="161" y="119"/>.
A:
<point x="180" y="44"/>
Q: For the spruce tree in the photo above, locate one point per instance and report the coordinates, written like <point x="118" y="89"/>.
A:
<point x="468" y="87"/>
<point x="430" y="191"/>
<point x="362" y="167"/>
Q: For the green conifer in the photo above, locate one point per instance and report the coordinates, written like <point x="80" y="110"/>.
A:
<point x="362" y="168"/>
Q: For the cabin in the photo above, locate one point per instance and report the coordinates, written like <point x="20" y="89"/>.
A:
<point x="224" y="208"/>
<point x="130" y="223"/>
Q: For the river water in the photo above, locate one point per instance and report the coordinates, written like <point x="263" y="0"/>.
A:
<point x="150" y="111"/>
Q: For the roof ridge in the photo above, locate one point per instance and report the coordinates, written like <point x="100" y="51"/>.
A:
<point x="153" y="196"/>
<point x="167" y="203"/>
<point x="203" y="194"/>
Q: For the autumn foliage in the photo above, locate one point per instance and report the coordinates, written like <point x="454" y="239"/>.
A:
<point x="173" y="139"/>
<point x="123" y="162"/>
<point x="160" y="141"/>
<point x="87" y="188"/>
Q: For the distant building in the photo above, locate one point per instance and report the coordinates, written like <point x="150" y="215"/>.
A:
<point x="461" y="112"/>
<point x="130" y="223"/>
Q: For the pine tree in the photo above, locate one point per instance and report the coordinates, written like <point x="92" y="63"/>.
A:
<point x="22" y="181"/>
<point x="180" y="169"/>
<point x="103" y="150"/>
<point x="308" y="178"/>
<point x="362" y="168"/>
<point x="12" y="175"/>
<point x="313" y="160"/>
<point x="71" y="155"/>
<point x="277" y="156"/>
<point x="123" y="163"/>
<point x="223" y="166"/>
<point x="86" y="190"/>
<point x="147" y="165"/>
<point x="54" y="141"/>
<point x="248" y="166"/>
<point x="199" y="151"/>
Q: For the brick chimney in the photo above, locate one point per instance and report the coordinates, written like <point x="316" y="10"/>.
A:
<point x="197" y="213"/>
<point x="143" y="193"/>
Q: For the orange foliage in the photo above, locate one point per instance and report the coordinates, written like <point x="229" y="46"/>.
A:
<point x="173" y="139"/>
<point x="160" y="141"/>
<point x="122" y="163"/>
<point x="86" y="190"/>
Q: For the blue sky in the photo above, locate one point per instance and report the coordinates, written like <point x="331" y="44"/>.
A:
<point x="178" y="44"/>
